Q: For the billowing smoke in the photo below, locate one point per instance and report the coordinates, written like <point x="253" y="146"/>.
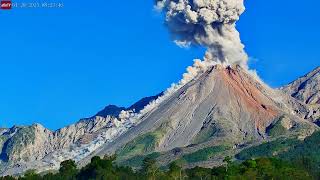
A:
<point x="209" y="23"/>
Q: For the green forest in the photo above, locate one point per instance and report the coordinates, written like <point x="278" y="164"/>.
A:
<point x="104" y="169"/>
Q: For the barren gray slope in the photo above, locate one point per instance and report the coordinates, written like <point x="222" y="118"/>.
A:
<point x="306" y="88"/>
<point x="227" y="100"/>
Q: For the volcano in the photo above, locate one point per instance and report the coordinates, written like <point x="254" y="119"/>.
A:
<point x="214" y="112"/>
<point x="222" y="106"/>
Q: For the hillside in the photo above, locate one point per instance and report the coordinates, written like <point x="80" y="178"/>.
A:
<point x="306" y="89"/>
<point x="218" y="113"/>
<point x="35" y="147"/>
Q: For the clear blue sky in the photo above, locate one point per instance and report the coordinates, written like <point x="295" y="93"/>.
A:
<point x="59" y="65"/>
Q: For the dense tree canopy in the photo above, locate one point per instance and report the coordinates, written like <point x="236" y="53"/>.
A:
<point x="104" y="169"/>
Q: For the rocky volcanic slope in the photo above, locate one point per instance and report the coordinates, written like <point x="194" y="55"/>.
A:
<point x="39" y="148"/>
<point x="306" y="89"/>
<point x="219" y="112"/>
<point x="35" y="147"/>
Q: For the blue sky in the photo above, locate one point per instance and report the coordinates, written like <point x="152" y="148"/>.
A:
<point x="60" y="65"/>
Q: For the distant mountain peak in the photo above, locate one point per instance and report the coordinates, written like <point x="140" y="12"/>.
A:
<point x="110" y="110"/>
<point x="113" y="110"/>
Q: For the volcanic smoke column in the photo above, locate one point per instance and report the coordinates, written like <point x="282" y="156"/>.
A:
<point x="209" y="23"/>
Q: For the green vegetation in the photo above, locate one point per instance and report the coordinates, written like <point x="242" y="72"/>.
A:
<point x="216" y="129"/>
<point x="277" y="129"/>
<point x="205" y="135"/>
<point x="281" y="159"/>
<point x="141" y="145"/>
<point x="268" y="149"/>
<point x="201" y="155"/>
<point x="137" y="161"/>
<point x="104" y="169"/>
<point x="304" y="153"/>
<point x="263" y="168"/>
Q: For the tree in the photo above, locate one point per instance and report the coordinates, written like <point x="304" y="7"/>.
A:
<point x="68" y="169"/>
<point x="31" y="175"/>
<point x="150" y="168"/>
<point x="7" y="178"/>
<point x="250" y="164"/>
<point x="98" y="169"/>
<point x="110" y="158"/>
<point x="175" y="171"/>
<point x="51" y="176"/>
<point x="199" y="173"/>
<point x="227" y="160"/>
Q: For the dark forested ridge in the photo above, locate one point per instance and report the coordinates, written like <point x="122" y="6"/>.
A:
<point x="305" y="154"/>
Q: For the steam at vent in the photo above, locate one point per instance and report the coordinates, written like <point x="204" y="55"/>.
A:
<point x="209" y="23"/>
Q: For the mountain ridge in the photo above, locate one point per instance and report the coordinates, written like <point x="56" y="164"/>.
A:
<point x="20" y="145"/>
<point x="223" y="110"/>
<point x="113" y="110"/>
<point x="218" y="101"/>
<point x="299" y="87"/>
<point x="306" y="89"/>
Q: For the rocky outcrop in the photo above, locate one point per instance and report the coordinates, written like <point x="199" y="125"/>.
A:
<point x="33" y="143"/>
<point x="306" y="90"/>
<point x="35" y="147"/>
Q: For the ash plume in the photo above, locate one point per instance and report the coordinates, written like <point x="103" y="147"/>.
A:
<point x="209" y="23"/>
